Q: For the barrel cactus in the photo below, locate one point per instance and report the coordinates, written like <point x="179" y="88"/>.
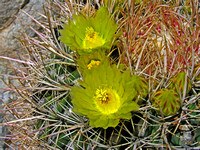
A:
<point x="108" y="75"/>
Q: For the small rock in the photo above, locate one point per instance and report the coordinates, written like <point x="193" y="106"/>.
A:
<point x="9" y="45"/>
<point x="8" y="10"/>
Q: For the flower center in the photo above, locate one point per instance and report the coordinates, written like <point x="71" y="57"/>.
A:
<point x="92" y="39"/>
<point x="107" y="101"/>
<point x="91" y="35"/>
<point x="93" y="63"/>
<point x="102" y="95"/>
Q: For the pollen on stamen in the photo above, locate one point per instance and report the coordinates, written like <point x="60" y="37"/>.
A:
<point x="92" y="39"/>
<point x="102" y="95"/>
<point x="90" y="34"/>
<point x="107" y="100"/>
<point x="93" y="63"/>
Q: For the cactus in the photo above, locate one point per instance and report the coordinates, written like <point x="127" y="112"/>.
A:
<point x="90" y="83"/>
<point x="178" y="83"/>
<point x="197" y="72"/>
<point x="167" y="101"/>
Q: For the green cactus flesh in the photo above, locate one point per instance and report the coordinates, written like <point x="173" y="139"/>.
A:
<point x="178" y="83"/>
<point x="167" y="101"/>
